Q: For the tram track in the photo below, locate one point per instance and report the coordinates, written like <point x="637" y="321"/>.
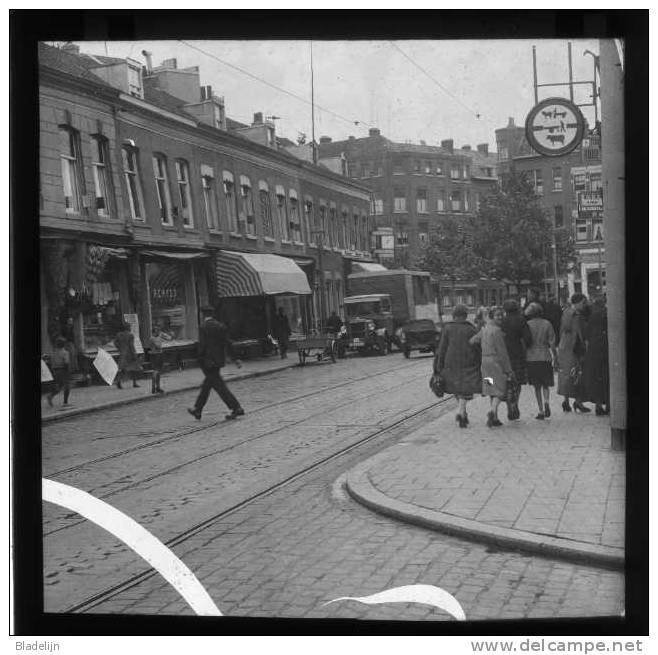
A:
<point x="382" y="433"/>
<point x="220" y="451"/>
<point x="205" y="426"/>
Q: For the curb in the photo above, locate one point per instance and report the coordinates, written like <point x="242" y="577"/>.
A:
<point x="137" y="399"/>
<point x="361" y="489"/>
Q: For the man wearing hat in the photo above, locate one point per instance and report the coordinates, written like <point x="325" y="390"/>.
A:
<point x="213" y="343"/>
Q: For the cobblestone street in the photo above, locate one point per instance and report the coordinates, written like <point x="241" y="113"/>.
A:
<point x="286" y="553"/>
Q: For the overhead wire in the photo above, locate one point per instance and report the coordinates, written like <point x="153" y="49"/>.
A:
<point x="274" y="86"/>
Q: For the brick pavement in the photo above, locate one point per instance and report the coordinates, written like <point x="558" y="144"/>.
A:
<point x="552" y="485"/>
<point x="92" y="398"/>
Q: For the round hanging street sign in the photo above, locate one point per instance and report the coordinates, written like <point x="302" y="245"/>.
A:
<point x="554" y="127"/>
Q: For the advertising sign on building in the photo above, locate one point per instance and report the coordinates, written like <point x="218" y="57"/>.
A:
<point x="590" y="202"/>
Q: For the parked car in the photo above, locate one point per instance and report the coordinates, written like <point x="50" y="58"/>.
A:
<point x="421" y="335"/>
<point x="369" y="323"/>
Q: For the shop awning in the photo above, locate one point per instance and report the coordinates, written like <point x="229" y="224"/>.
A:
<point x="365" y="267"/>
<point x="252" y="274"/>
<point x="180" y="256"/>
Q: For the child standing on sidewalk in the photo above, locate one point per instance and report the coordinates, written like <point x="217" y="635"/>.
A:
<point x="61" y="370"/>
<point x="153" y="346"/>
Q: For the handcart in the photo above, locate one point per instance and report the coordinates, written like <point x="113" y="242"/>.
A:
<point x="321" y="347"/>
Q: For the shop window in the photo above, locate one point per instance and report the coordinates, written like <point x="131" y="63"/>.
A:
<point x="162" y="188"/>
<point x="399" y="200"/>
<point x="247" y="208"/>
<point x="421" y="201"/>
<point x="557" y="178"/>
<point x="72" y="180"/>
<point x="282" y="212"/>
<point x="230" y="200"/>
<point x="558" y="217"/>
<point x="265" y="209"/>
<point x="101" y="170"/>
<point x="169" y="305"/>
<point x="184" y="195"/>
<point x="210" y="200"/>
<point x="295" y="222"/>
<point x="133" y="184"/>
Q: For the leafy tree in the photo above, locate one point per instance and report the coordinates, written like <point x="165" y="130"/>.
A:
<point x="514" y="235"/>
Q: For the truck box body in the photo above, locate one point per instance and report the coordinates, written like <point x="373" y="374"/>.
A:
<point x="411" y="293"/>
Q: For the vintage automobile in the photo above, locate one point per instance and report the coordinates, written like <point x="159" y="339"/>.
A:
<point x="421" y="335"/>
<point x="369" y="323"/>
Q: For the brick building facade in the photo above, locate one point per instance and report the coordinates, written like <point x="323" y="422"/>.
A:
<point x="142" y="187"/>
<point x="413" y="185"/>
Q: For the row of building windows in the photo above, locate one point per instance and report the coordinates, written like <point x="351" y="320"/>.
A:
<point x="580" y="181"/>
<point x="350" y="231"/>
<point x="456" y="171"/>
<point x="454" y="200"/>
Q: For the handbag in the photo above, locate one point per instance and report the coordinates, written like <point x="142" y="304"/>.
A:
<point x="437" y="385"/>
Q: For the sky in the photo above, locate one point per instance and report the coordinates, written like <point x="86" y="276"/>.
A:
<point x="411" y="90"/>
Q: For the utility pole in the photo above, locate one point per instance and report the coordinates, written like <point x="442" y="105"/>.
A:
<point x="612" y="150"/>
<point x="555" y="277"/>
<point x="319" y="240"/>
<point x="315" y="154"/>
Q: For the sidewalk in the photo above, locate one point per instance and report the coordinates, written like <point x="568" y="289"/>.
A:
<point x="552" y="487"/>
<point x="84" y="400"/>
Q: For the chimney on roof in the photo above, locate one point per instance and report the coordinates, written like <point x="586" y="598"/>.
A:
<point x="448" y="144"/>
<point x="149" y="61"/>
<point x="350" y="138"/>
<point x="422" y="143"/>
<point x="258" y="118"/>
<point x="71" y="48"/>
<point x="169" y="63"/>
<point x="206" y="92"/>
<point x="374" y="131"/>
<point x="510" y="122"/>
<point x="325" y="139"/>
<point x="483" y="148"/>
<point x="466" y="147"/>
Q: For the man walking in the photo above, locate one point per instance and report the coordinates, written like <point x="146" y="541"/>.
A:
<point x="213" y="342"/>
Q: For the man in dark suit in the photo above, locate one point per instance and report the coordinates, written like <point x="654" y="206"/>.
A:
<point x="213" y="343"/>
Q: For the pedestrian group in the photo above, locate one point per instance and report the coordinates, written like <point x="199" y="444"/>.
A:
<point x="507" y="348"/>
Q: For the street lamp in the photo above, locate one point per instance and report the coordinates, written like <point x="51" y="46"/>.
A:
<point x="319" y="240"/>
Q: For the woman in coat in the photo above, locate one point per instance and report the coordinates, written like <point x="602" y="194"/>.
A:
<point x="496" y="367"/>
<point x="541" y="357"/>
<point x="595" y="364"/>
<point x="458" y="362"/>
<point x="570" y="353"/>
<point x="517" y="341"/>
<point x="128" y="362"/>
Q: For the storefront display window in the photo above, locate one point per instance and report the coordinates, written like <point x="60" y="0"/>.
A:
<point x="168" y="298"/>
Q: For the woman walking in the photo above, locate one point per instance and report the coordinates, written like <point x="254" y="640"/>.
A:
<point x="128" y="362"/>
<point x="517" y="340"/>
<point x="458" y="362"/>
<point x="541" y="358"/>
<point x="595" y="366"/>
<point x="496" y="367"/>
<point x="570" y="353"/>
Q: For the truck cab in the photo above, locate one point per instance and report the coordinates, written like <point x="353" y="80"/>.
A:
<point x="369" y="323"/>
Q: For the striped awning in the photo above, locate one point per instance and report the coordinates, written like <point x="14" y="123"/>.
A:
<point x="252" y="274"/>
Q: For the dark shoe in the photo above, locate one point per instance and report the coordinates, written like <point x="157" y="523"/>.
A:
<point x="566" y="407"/>
<point x="510" y="413"/>
<point x="234" y="414"/>
<point x="195" y="412"/>
<point x="466" y="419"/>
<point x="579" y="407"/>
<point x="540" y="416"/>
<point x="49" y="398"/>
<point x="599" y="411"/>
<point x="462" y="420"/>
<point x="159" y="390"/>
<point x="490" y="419"/>
<point x="119" y="385"/>
<point x="547" y="410"/>
<point x="496" y="423"/>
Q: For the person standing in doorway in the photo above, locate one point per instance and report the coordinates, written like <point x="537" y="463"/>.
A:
<point x="282" y="332"/>
<point x="60" y="364"/>
<point x="213" y="344"/>
<point x="128" y="362"/>
<point x="541" y="357"/>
